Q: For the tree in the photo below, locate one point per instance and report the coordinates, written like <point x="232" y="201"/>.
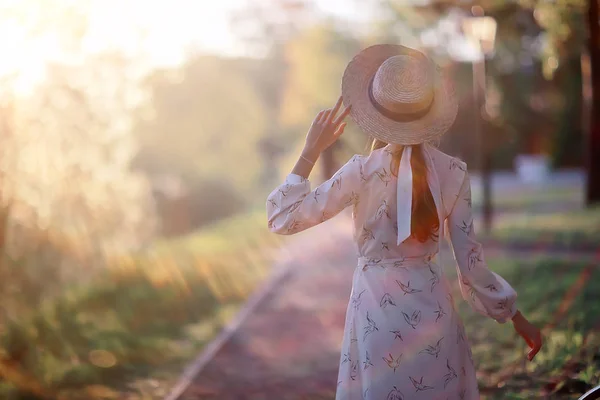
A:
<point x="67" y="198"/>
<point x="204" y="120"/>
<point x="593" y="159"/>
<point x="316" y="62"/>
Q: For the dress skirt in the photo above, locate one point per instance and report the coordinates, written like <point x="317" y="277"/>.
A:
<point x="403" y="338"/>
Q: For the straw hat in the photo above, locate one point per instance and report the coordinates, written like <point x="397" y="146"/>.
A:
<point x="399" y="95"/>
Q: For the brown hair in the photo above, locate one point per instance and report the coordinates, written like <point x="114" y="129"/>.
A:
<point x="424" y="222"/>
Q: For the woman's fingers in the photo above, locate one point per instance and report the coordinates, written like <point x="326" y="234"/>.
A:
<point x="318" y="117"/>
<point x="340" y="130"/>
<point x="325" y="116"/>
<point x="343" y="115"/>
<point x="334" y="110"/>
<point x="535" y="343"/>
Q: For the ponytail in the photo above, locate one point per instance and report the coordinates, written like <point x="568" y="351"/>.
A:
<point x="424" y="217"/>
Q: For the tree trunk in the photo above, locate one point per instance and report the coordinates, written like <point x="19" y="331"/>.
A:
<point x="593" y="155"/>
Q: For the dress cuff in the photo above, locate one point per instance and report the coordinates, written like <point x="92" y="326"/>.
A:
<point x="513" y="311"/>
<point x="294" y="179"/>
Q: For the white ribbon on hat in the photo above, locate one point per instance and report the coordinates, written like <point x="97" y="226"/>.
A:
<point x="404" y="192"/>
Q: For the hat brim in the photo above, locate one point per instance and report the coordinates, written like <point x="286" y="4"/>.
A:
<point x="355" y="92"/>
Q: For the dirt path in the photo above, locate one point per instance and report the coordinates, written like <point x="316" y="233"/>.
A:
<point x="287" y="346"/>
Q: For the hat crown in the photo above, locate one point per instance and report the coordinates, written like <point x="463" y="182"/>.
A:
<point x="403" y="84"/>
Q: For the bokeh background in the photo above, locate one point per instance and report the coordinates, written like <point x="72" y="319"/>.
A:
<point x="139" y="140"/>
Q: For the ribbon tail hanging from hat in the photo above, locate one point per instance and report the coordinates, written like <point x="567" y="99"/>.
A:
<point x="404" y="193"/>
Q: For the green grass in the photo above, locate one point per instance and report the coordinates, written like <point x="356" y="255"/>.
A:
<point x="134" y="326"/>
<point x="531" y="197"/>
<point x="563" y="298"/>
<point x="573" y="229"/>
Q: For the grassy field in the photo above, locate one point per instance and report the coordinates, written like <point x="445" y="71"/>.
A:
<point x="577" y="229"/>
<point x="563" y="298"/>
<point x="129" y="332"/>
<point x="532" y="196"/>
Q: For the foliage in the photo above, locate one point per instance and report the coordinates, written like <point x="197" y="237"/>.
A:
<point x="569" y="230"/>
<point x="202" y="121"/>
<point x="136" y="316"/>
<point x="559" y="296"/>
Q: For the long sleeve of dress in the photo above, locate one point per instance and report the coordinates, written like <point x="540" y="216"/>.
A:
<point x="487" y="292"/>
<point x="293" y="206"/>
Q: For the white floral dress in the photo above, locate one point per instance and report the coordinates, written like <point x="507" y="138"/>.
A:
<point x="403" y="338"/>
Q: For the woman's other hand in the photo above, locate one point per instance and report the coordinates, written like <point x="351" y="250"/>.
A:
<point x="529" y="332"/>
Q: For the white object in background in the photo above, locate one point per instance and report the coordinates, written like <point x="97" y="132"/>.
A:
<point x="533" y="168"/>
<point x="592" y="394"/>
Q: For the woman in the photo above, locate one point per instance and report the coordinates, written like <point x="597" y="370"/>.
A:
<point x="403" y="338"/>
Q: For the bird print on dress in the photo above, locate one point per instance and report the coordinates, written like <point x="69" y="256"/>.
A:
<point x="285" y="190"/>
<point x="294" y="226"/>
<point x="400" y="264"/>
<point x="474" y="258"/>
<point x="471" y="289"/>
<point x="367" y="235"/>
<point x="367" y="361"/>
<point x="395" y="394"/>
<point x="346" y="358"/>
<point x="413" y="319"/>
<point x="397" y="335"/>
<point x="502" y="304"/>
<point x="395" y="227"/>
<point x="365" y="393"/>
<point x="469" y="201"/>
<point x="294" y="207"/>
<point x="356" y="300"/>
<point x="406" y="288"/>
<point x="354" y="370"/>
<point x="439" y="312"/>
<point x="385" y="246"/>
<point x="337" y="181"/>
<point x="462" y="394"/>
<point x="454" y="164"/>
<point x="273" y="203"/>
<point x="491" y="287"/>
<point x="316" y="195"/>
<point x="435" y="279"/>
<point x="370" y="328"/>
<point x="385" y="300"/>
<point x="372" y="262"/>
<point x="384" y="176"/>
<point x="450" y="375"/>
<point x="384" y="209"/>
<point x="433" y="350"/>
<point x="361" y="173"/>
<point x="393" y="362"/>
<point x="353" y="199"/>
<point x="466" y="227"/>
<point x="419" y="385"/>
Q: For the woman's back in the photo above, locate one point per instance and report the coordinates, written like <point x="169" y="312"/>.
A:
<point x="375" y="215"/>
